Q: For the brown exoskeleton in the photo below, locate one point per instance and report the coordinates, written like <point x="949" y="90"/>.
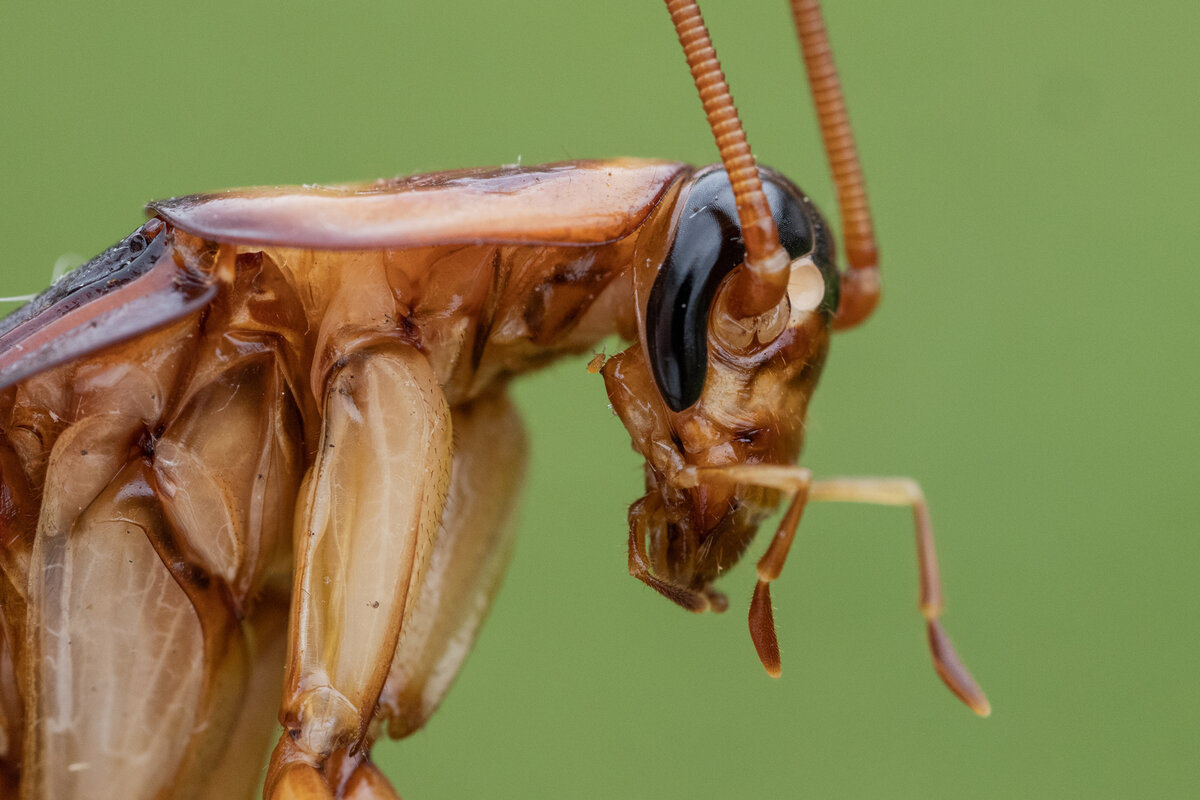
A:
<point x="270" y="430"/>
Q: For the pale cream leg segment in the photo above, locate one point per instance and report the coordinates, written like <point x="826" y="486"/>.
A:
<point x="368" y="514"/>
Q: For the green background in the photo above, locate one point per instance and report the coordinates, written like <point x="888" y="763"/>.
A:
<point x="1033" y="168"/>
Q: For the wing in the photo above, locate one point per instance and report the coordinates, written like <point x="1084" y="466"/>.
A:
<point x="133" y="287"/>
<point x="574" y="202"/>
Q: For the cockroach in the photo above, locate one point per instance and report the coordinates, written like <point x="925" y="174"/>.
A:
<point x="271" y="427"/>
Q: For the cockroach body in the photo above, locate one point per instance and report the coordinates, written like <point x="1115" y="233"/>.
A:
<point x="271" y="426"/>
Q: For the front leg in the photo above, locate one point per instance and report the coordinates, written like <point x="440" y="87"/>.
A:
<point x="368" y="512"/>
<point x="798" y="482"/>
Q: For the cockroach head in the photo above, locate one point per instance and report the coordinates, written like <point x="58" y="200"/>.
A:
<point x="707" y="247"/>
<point x="709" y="390"/>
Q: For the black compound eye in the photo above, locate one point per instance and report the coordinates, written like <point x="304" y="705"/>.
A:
<point x="707" y="247"/>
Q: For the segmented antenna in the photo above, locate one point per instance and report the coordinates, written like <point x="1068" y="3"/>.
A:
<point x="762" y="283"/>
<point x="860" y="283"/>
